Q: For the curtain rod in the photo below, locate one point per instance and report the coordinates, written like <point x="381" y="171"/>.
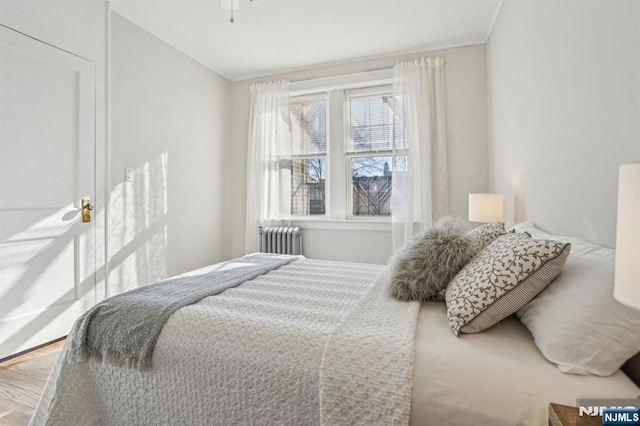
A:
<point x="353" y="80"/>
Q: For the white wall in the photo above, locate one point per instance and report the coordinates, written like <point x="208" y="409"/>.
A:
<point x="465" y="86"/>
<point x="171" y="124"/>
<point x="564" y="98"/>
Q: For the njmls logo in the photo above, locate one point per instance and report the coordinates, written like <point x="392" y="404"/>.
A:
<point x="621" y="417"/>
<point x="619" y="411"/>
<point x="593" y="410"/>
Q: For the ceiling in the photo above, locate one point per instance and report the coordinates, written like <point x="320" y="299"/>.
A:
<point x="272" y="36"/>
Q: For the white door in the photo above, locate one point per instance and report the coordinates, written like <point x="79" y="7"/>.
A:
<point x="47" y="156"/>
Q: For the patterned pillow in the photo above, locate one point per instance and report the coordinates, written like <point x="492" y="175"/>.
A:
<point x="486" y="234"/>
<point x="501" y="279"/>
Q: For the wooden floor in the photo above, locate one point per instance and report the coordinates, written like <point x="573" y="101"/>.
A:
<point x="21" y="382"/>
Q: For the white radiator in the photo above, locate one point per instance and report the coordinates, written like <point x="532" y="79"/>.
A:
<point x="285" y="240"/>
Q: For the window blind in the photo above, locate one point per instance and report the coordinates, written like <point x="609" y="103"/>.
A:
<point x="374" y="121"/>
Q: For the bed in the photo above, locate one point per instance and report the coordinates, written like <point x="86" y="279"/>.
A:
<point x="320" y="342"/>
<point x="498" y="377"/>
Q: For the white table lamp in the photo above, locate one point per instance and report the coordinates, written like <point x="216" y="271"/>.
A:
<point x="486" y="207"/>
<point x="627" y="275"/>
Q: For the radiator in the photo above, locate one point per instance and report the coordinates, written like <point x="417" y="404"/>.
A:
<point x="280" y="240"/>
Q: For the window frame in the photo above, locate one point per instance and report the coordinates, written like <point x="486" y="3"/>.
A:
<point x="309" y="156"/>
<point x="350" y="154"/>
<point x="338" y="205"/>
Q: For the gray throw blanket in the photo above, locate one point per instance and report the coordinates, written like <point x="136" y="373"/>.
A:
<point x="124" y="329"/>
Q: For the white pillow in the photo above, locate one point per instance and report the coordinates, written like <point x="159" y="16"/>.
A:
<point x="575" y="322"/>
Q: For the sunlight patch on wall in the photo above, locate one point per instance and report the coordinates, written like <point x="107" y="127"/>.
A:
<point x="138" y="237"/>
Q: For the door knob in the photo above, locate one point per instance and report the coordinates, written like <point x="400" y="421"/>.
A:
<point x="87" y="206"/>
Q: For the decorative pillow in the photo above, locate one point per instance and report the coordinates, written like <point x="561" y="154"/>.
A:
<point x="426" y="264"/>
<point x="486" y="234"/>
<point x="501" y="279"/>
<point x="576" y="323"/>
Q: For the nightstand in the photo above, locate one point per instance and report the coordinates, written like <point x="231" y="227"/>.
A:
<point x="564" y="415"/>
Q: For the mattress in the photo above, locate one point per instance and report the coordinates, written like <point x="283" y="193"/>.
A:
<point x="497" y="377"/>
<point x="252" y="355"/>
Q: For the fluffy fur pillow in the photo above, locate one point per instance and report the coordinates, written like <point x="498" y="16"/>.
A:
<point x="425" y="265"/>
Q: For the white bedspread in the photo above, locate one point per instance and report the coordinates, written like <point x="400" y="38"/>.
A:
<point x="367" y="366"/>
<point x="250" y="355"/>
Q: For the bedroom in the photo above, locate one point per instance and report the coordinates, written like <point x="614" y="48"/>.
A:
<point x="542" y="107"/>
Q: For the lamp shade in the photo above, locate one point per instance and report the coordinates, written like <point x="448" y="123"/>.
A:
<point x="486" y="207"/>
<point x="627" y="278"/>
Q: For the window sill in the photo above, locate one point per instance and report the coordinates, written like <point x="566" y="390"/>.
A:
<point x="343" y="224"/>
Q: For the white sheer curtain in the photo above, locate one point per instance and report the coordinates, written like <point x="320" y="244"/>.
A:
<point x="268" y="159"/>
<point x="419" y="188"/>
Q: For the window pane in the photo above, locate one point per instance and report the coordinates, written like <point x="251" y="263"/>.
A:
<point x="374" y="122"/>
<point x="371" y="184"/>
<point x="308" y="186"/>
<point x="308" y="125"/>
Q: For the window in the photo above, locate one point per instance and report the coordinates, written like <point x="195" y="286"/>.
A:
<point x="374" y="129"/>
<point x="308" y="155"/>
<point x="341" y="157"/>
